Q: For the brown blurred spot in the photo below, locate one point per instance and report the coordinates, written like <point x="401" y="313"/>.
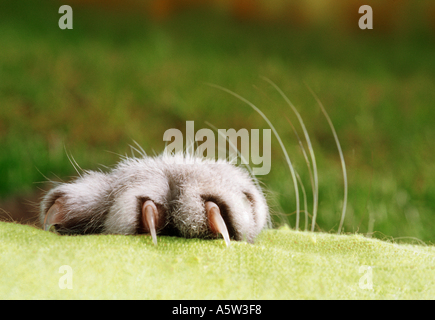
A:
<point x="161" y="9"/>
<point x="296" y="15"/>
<point x="164" y="9"/>
<point x="431" y="17"/>
<point x="245" y="9"/>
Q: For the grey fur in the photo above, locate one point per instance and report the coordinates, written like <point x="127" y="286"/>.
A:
<point x="178" y="184"/>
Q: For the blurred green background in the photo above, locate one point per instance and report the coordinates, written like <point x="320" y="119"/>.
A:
<point x="128" y="71"/>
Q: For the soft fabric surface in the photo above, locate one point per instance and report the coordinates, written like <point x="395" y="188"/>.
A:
<point x="282" y="264"/>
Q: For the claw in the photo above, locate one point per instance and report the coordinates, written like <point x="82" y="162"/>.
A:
<point x="52" y="216"/>
<point x="149" y="218"/>
<point x="217" y="224"/>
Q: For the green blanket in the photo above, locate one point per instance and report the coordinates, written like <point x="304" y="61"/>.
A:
<point x="282" y="264"/>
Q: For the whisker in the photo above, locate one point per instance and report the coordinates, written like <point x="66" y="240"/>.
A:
<point x="72" y="163"/>
<point x="9" y="216"/>
<point x="118" y="154"/>
<point x="310" y="148"/>
<point x="133" y="149"/>
<point x="142" y="151"/>
<point x="243" y="159"/>
<point x="343" y="164"/>
<point x="276" y="135"/>
<point x="305" y="202"/>
<point x="48" y="179"/>
<point x="78" y="166"/>
<point x="307" y="161"/>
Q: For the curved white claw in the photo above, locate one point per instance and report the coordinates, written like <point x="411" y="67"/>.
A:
<point x="52" y="217"/>
<point x="217" y="224"/>
<point x="149" y="217"/>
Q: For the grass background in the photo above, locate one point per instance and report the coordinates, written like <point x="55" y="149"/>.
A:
<point x="120" y="76"/>
<point x="282" y="264"/>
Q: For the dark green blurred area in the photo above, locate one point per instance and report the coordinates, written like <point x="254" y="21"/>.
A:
<point x="118" y="78"/>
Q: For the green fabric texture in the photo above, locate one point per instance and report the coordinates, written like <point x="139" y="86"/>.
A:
<point x="282" y="264"/>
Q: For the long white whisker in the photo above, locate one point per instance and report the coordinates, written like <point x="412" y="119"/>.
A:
<point x="307" y="161"/>
<point x="72" y="163"/>
<point x="292" y="171"/>
<point x="310" y="148"/>
<point x="343" y="164"/>
<point x="78" y="166"/>
<point x="305" y="201"/>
